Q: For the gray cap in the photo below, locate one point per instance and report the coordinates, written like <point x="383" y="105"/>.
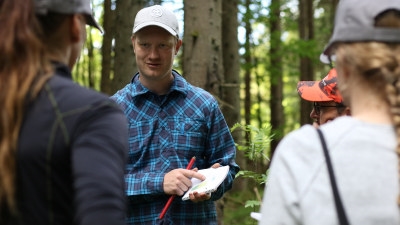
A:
<point x="354" y="22"/>
<point x="157" y="15"/>
<point x="42" y="7"/>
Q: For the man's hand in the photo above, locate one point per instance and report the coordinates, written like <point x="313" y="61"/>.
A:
<point x="216" y="165"/>
<point x="199" y="197"/>
<point x="177" y="181"/>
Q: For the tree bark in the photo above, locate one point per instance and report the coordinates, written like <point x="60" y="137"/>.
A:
<point x="202" y="47"/>
<point x="231" y="87"/>
<point x="248" y="65"/>
<point x="230" y="104"/>
<point x="306" y="32"/>
<point x="106" y="49"/>
<point x="276" y="74"/>
<point x="124" y="60"/>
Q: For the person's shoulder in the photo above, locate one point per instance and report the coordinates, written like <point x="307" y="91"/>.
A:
<point x="192" y="89"/>
<point x="69" y="94"/>
<point x="123" y="93"/>
<point x="335" y="130"/>
<point x="303" y="131"/>
<point x="199" y="93"/>
<point x="299" y="141"/>
<point x="307" y="134"/>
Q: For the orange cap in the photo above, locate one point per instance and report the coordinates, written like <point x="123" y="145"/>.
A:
<point x="321" y="91"/>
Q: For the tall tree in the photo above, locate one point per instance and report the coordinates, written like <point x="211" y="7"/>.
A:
<point x="202" y="47"/>
<point x="276" y="73"/>
<point x="231" y="86"/>
<point x="231" y="64"/>
<point x="306" y="33"/>
<point x="106" y="49"/>
<point x="247" y="63"/>
<point x="124" y="61"/>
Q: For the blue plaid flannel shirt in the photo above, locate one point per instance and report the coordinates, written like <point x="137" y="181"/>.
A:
<point x="165" y="132"/>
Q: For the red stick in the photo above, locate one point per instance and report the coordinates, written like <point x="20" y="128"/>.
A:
<point x="189" y="166"/>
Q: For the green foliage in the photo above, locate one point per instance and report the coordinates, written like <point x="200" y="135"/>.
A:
<point x="258" y="146"/>
<point x="252" y="204"/>
<point x="256" y="149"/>
<point x="87" y="70"/>
<point x="235" y="213"/>
<point x="258" y="177"/>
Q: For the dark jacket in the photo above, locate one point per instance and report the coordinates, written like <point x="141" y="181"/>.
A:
<point x="71" y="156"/>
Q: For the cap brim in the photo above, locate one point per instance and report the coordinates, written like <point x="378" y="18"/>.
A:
<point x="92" y="22"/>
<point x="327" y="59"/>
<point x="310" y="91"/>
<point x="328" y="51"/>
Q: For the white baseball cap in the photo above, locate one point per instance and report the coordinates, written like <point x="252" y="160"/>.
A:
<point x="42" y="7"/>
<point x="157" y="15"/>
<point x="355" y="22"/>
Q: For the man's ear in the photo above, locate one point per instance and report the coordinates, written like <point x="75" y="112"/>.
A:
<point x="133" y="43"/>
<point x="178" y="46"/>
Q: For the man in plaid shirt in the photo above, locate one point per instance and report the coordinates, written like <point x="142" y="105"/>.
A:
<point x="170" y="121"/>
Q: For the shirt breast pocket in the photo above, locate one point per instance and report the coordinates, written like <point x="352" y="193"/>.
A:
<point x="190" y="136"/>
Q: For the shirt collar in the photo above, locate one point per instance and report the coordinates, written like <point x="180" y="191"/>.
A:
<point x="179" y="85"/>
<point x="61" y="69"/>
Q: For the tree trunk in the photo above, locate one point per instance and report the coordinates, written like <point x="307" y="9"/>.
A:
<point x="106" y="49"/>
<point x="248" y="65"/>
<point x="124" y="60"/>
<point x="202" y="48"/>
<point x="306" y="32"/>
<point x="276" y="74"/>
<point x="231" y="87"/>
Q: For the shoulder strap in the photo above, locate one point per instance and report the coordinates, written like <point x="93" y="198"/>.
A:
<point x="338" y="202"/>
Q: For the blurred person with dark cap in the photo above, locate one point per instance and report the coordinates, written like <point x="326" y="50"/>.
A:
<point x="63" y="147"/>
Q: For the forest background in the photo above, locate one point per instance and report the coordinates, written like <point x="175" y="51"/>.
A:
<point x="249" y="54"/>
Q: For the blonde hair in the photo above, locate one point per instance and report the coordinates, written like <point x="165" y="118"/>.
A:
<point x="378" y="67"/>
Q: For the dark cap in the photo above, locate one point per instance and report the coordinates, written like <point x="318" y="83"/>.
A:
<point x="42" y="7"/>
<point x="355" y="22"/>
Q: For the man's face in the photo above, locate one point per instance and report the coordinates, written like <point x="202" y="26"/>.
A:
<point x="155" y="50"/>
<point x="324" y="112"/>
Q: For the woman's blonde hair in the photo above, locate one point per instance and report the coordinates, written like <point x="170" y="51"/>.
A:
<point x="378" y="65"/>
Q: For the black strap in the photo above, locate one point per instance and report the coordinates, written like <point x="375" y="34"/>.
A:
<point x="338" y="202"/>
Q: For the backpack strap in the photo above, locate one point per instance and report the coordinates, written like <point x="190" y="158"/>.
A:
<point x="338" y="202"/>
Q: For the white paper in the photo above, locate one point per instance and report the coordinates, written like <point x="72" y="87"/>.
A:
<point x="214" y="178"/>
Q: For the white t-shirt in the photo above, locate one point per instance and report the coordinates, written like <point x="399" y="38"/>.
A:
<point x="365" y="165"/>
